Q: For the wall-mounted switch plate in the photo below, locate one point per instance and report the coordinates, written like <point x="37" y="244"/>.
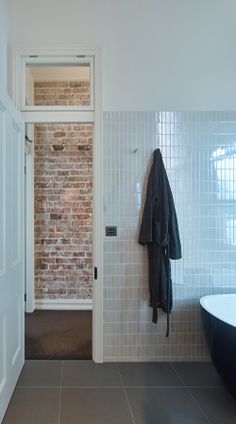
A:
<point x="111" y="231"/>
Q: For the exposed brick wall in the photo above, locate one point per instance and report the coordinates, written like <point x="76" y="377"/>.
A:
<point x="63" y="210"/>
<point x="61" y="93"/>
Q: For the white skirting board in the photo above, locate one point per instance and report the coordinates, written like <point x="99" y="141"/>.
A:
<point x="64" y="304"/>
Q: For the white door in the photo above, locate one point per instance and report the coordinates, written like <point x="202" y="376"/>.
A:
<point x="29" y="220"/>
<point x="11" y="250"/>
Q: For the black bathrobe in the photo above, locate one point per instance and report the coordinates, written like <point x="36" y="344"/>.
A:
<point x="159" y="231"/>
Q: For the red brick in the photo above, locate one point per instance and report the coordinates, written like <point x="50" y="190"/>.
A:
<point x="64" y="194"/>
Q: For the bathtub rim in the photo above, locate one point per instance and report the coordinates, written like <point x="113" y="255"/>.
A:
<point x="203" y="300"/>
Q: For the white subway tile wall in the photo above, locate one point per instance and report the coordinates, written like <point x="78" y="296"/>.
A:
<point x="199" y="152"/>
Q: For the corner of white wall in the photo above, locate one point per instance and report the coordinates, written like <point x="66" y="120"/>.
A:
<point x="3" y="44"/>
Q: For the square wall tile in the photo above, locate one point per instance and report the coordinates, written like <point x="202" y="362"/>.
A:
<point x="198" y="150"/>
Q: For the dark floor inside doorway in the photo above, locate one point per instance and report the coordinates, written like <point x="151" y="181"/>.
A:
<point x="58" y="335"/>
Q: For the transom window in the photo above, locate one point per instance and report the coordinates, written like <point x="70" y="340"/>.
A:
<point x="67" y="83"/>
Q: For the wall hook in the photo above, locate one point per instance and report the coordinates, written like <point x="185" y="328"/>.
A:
<point x="27" y="139"/>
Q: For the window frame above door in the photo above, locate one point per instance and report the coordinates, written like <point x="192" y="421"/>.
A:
<point x="56" y="60"/>
<point x="66" y="114"/>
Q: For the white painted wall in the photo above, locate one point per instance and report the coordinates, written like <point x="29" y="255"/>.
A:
<point x="3" y="44"/>
<point x="157" y="54"/>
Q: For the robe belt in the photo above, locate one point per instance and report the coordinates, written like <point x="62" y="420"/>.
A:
<point x="165" y="251"/>
<point x="168" y="280"/>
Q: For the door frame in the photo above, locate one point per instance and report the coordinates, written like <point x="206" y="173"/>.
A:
<point x="94" y="116"/>
<point x="12" y="268"/>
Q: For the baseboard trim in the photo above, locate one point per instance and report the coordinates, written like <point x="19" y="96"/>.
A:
<point x="65" y="304"/>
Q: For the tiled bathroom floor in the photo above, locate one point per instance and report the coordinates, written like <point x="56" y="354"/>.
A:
<point x="72" y="392"/>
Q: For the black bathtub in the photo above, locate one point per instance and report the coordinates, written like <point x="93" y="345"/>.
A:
<point x="219" y="321"/>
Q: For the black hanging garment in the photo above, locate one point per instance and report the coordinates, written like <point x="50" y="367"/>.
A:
<point x="159" y="231"/>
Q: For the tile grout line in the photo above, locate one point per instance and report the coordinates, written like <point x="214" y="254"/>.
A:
<point x="38" y="387"/>
<point x="118" y="387"/>
<point x="60" y="394"/>
<point x="125" y="393"/>
<point x="190" y="394"/>
<point x="71" y="387"/>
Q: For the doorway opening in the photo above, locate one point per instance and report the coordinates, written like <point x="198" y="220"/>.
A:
<point x="63" y="242"/>
<point x="63" y="205"/>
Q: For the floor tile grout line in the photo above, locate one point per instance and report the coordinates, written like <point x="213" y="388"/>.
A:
<point x="125" y="393"/>
<point x="120" y="387"/>
<point x="68" y="387"/>
<point x="37" y="387"/>
<point x="191" y="395"/>
<point x="93" y="387"/>
<point x="60" y="393"/>
<point x="196" y="402"/>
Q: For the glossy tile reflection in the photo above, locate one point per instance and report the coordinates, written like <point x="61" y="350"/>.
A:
<point x="199" y="151"/>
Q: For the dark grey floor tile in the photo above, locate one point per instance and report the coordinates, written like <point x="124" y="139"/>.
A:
<point x="40" y="373"/>
<point x="89" y="406"/>
<point x="37" y="406"/>
<point x="217" y="404"/>
<point x="198" y="374"/>
<point x="164" y="406"/>
<point x="148" y="374"/>
<point x="87" y="373"/>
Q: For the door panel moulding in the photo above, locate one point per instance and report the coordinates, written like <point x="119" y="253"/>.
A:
<point x="29" y="220"/>
<point x="56" y="115"/>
